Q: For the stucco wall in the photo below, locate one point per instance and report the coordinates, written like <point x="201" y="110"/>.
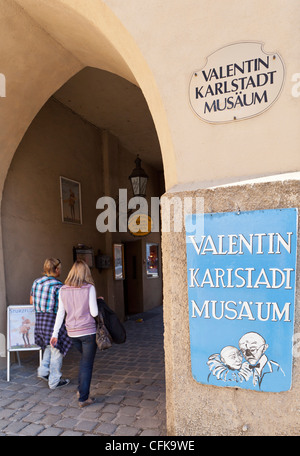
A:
<point x="186" y="33"/>
<point x="195" y="409"/>
<point x="118" y="36"/>
<point x="58" y="143"/>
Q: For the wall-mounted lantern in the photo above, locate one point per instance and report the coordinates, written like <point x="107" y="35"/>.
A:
<point x="138" y="179"/>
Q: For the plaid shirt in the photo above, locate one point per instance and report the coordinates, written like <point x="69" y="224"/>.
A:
<point x="45" y="300"/>
<point x="44" y="324"/>
<point x="45" y="294"/>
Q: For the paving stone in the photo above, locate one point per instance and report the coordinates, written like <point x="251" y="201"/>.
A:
<point x="134" y="394"/>
<point x="28" y="407"/>
<point x="110" y="408"/>
<point x="124" y="419"/>
<point x="6" y="402"/>
<point x="106" y="429"/>
<point x="13" y="387"/>
<point x="148" y="422"/>
<point x="71" y="412"/>
<point x="114" y="399"/>
<point x="6" y="413"/>
<point x="16" y="405"/>
<point x="85" y="425"/>
<point x="67" y="423"/>
<point x="48" y="420"/>
<point x="71" y="434"/>
<point x="51" y="432"/>
<point x="146" y="403"/>
<point x="129" y="410"/>
<point x="32" y="430"/>
<point x="133" y="401"/>
<point x="14" y="427"/>
<point x="123" y="430"/>
<point x="108" y="417"/>
<point x="40" y="408"/>
<point x="55" y="410"/>
<point x="151" y="395"/>
<point x="147" y="411"/>
<point x="150" y="433"/>
<point x="4" y="424"/>
<point x="33" y="417"/>
<point x="88" y="415"/>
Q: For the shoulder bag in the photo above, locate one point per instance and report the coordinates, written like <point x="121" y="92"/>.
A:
<point x="103" y="337"/>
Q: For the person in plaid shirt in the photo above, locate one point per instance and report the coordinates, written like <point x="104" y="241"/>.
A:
<point x="44" y="297"/>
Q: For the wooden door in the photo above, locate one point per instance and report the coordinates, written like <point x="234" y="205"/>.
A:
<point x="133" y="286"/>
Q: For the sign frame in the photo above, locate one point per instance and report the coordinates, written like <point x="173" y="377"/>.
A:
<point x="242" y="298"/>
<point x="236" y="100"/>
<point x="23" y="325"/>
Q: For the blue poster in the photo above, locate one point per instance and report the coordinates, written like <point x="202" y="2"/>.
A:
<point x="241" y="273"/>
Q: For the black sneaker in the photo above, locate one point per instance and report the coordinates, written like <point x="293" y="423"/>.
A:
<point x="46" y="378"/>
<point x="62" y="383"/>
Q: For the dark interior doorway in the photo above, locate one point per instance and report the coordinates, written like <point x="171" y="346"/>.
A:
<point x="133" y="284"/>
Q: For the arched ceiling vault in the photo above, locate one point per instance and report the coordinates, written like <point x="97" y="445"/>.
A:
<point x="123" y="97"/>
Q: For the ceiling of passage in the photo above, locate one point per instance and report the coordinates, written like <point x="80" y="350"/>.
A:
<point x="112" y="103"/>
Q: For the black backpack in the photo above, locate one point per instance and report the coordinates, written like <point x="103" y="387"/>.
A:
<point x="112" y="322"/>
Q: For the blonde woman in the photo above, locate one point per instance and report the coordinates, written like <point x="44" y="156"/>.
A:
<point x="78" y="303"/>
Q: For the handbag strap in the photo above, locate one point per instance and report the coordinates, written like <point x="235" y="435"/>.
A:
<point x="99" y="319"/>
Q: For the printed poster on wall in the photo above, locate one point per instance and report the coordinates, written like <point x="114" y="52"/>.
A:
<point x="241" y="273"/>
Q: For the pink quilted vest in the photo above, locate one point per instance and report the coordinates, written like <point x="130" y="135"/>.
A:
<point x="79" y="321"/>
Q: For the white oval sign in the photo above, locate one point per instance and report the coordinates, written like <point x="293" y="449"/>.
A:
<point x="238" y="81"/>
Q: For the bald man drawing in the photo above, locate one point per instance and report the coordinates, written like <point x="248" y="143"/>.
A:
<point x="266" y="373"/>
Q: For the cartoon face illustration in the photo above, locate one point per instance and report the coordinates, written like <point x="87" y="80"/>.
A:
<point x="232" y="357"/>
<point x="252" y="345"/>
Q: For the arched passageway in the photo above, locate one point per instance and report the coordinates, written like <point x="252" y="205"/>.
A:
<point x="53" y="135"/>
<point x="64" y="38"/>
<point x="90" y="131"/>
<point x="85" y="137"/>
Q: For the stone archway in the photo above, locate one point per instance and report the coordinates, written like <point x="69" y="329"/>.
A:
<point x="63" y="39"/>
<point x="50" y="43"/>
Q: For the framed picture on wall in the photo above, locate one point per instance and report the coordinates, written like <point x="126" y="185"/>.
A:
<point x="152" y="260"/>
<point x="118" y="255"/>
<point x="84" y="253"/>
<point x="70" y="195"/>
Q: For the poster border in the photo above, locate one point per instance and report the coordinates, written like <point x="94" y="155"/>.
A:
<point x="61" y="178"/>
<point x="9" y="349"/>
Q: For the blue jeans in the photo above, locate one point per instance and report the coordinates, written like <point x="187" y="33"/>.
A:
<point x="87" y="347"/>
<point x="51" y="365"/>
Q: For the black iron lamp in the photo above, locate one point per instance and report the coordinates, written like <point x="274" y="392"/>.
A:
<point x="138" y="179"/>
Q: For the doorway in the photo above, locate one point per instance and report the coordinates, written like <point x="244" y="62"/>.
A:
<point x="143" y="277"/>
<point x="133" y="285"/>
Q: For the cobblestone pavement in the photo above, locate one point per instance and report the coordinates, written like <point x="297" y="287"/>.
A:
<point x="128" y="384"/>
